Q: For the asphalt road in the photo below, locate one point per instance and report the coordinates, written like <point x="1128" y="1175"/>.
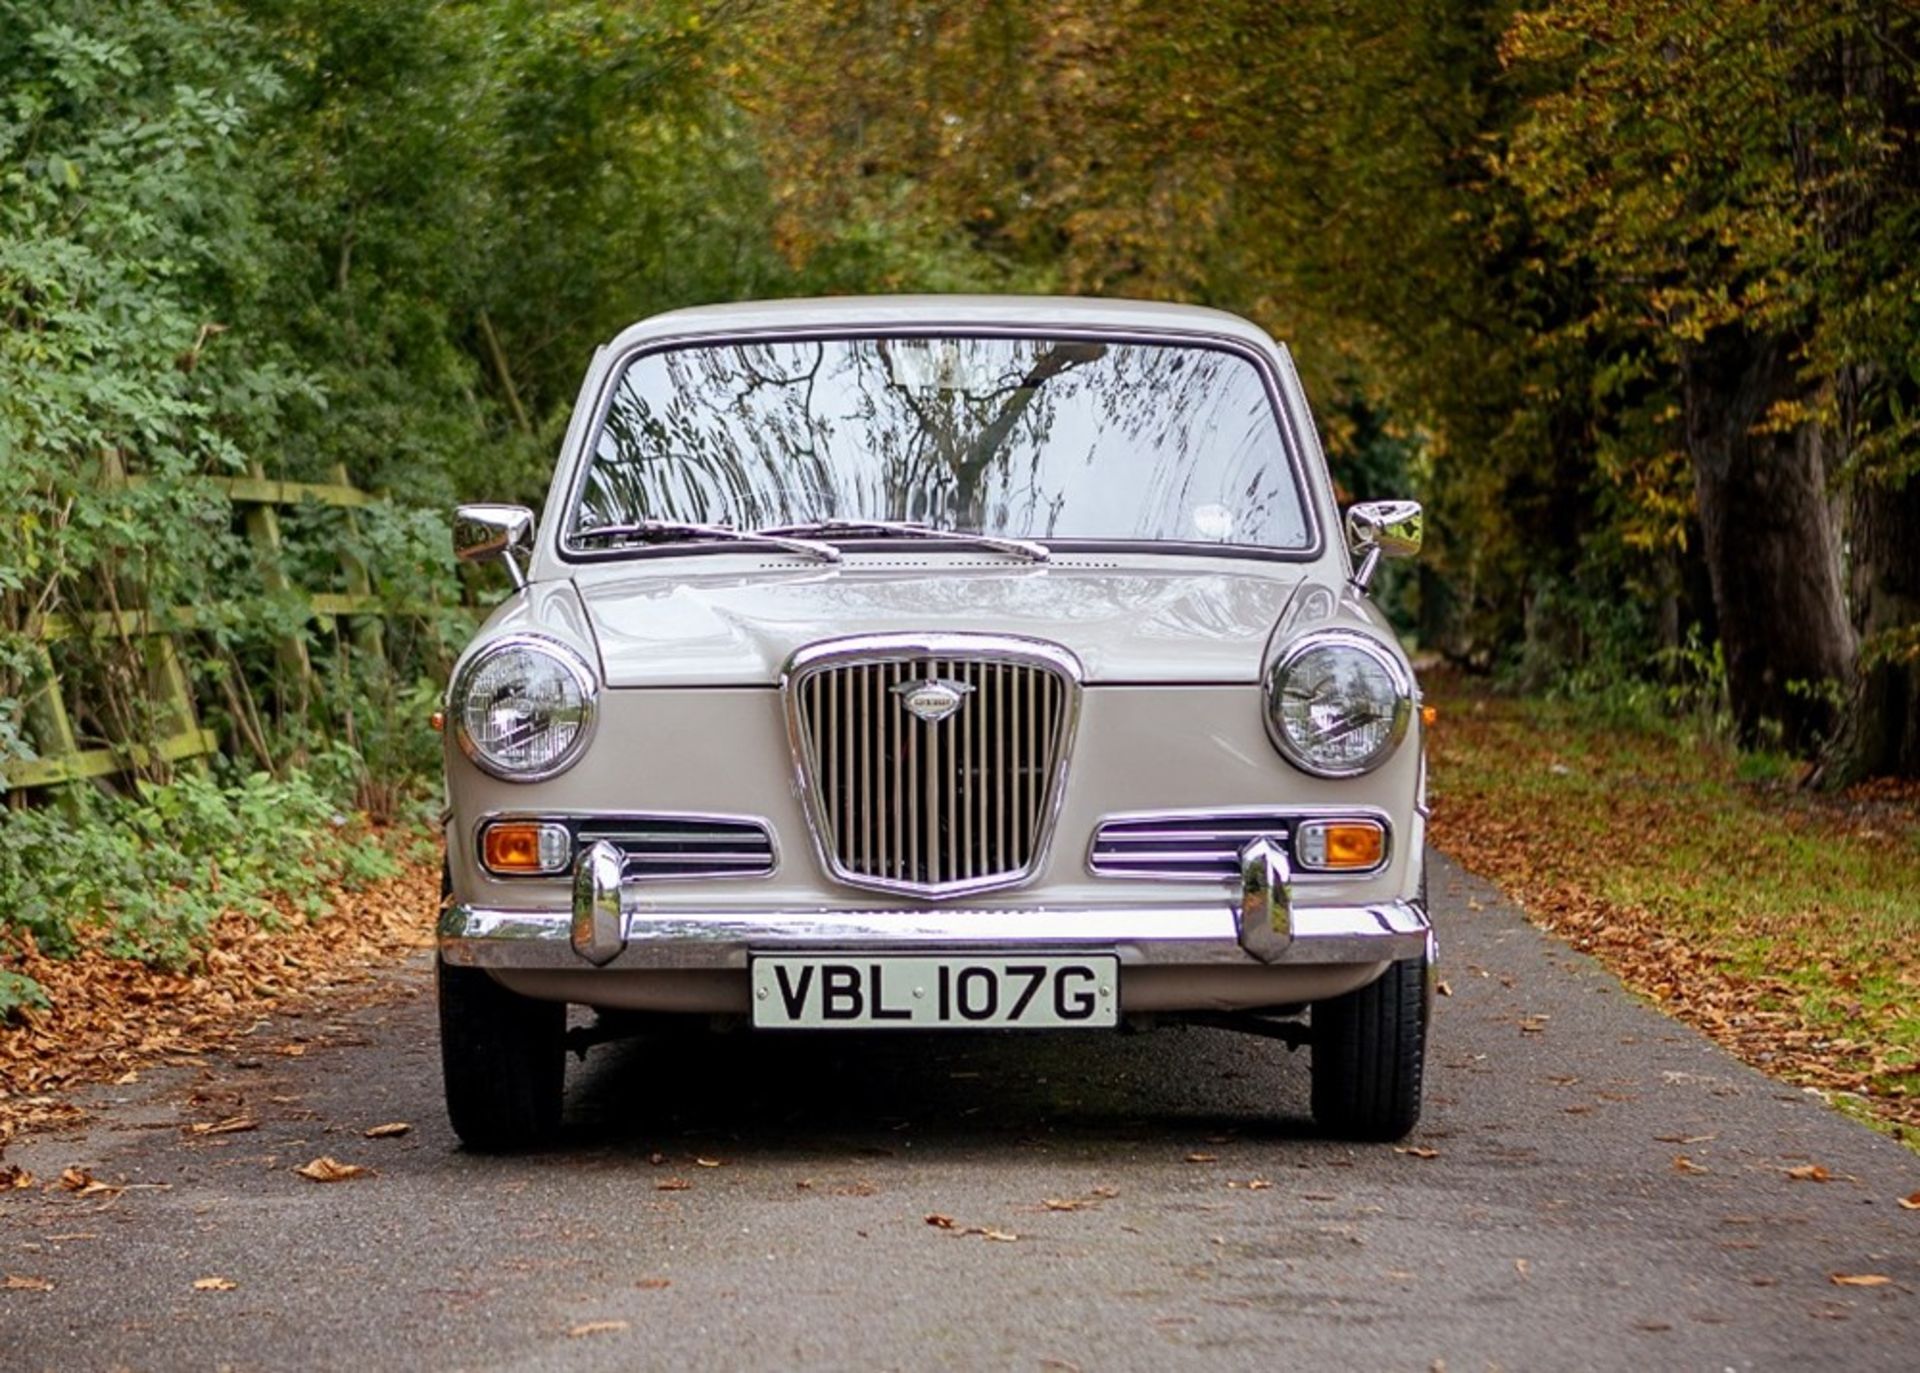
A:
<point x="1200" y="1225"/>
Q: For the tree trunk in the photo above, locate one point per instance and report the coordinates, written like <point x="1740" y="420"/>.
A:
<point x="1881" y="733"/>
<point x="1769" y="541"/>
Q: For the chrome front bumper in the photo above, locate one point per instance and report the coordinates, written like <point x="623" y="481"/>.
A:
<point x="611" y="925"/>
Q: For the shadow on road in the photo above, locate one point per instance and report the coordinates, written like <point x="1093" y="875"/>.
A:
<point x="784" y="1094"/>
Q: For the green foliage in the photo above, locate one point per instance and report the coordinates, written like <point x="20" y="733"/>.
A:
<point x="155" y="869"/>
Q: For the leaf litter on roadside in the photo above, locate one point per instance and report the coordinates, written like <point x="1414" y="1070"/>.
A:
<point x="596" y="1328"/>
<point x="391" y="1130"/>
<point x="214" y="1284"/>
<point x="21" y="1282"/>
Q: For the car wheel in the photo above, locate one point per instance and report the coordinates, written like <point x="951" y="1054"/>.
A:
<point x="504" y="1060"/>
<point x="1369" y="1048"/>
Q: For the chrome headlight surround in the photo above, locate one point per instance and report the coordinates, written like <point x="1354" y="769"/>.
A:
<point x="578" y="707"/>
<point x="1393" y="702"/>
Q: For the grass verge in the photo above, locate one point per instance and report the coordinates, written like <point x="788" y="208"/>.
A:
<point x="1782" y="923"/>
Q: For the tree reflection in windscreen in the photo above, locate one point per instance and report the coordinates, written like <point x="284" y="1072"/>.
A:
<point x="1030" y="437"/>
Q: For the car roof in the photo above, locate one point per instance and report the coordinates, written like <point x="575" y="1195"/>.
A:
<point x="835" y="313"/>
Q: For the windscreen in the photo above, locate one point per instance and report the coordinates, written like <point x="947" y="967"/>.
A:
<point x="1040" y="438"/>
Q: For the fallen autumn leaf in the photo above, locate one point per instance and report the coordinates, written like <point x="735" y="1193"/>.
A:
<point x="653" y="1284"/>
<point x="232" y="1125"/>
<point x="19" y="1282"/>
<point x="672" y="1185"/>
<point x="1911" y="1203"/>
<point x="390" y="1130"/>
<point x="214" y="1284"/>
<point x="1809" y="1172"/>
<point x="1859" y="1279"/>
<point x="1417" y="1151"/>
<point x="329" y="1169"/>
<point x="596" y="1328"/>
<point x="939" y="1221"/>
<point x="1203" y="1158"/>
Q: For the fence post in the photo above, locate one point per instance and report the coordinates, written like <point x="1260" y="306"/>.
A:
<point x="263" y="530"/>
<point x="369" y="635"/>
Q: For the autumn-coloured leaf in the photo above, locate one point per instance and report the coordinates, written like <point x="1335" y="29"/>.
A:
<point x="1683" y="1164"/>
<point x="1684" y="1139"/>
<point x="1444" y="988"/>
<point x="329" y="1169"/>
<point x="654" y="1284"/>
<point x="1103" y="1193"/>
<point x="392" y="1129"/>
<point x="1003" y="1236"/>
<point x="1063" y="1203"/>
<point x="1911" y="1203"/>
<point x="1809" y="1172"/>
<point x="20" y="1282"/>
<point x="1203" y="1158"/>
<point x="596" y="1328"/>
<point x="1258" y="1184"/>
<point x="1416" y="1151"/>
<point x="214" y="1284"/>
<point x="939" y="1221"/>
<point x="672" y="1185"/>
<point x="707" y="1162"/>
<point x="15" y="1178"/>
<point x="74" y="1180"/>
<point x="232" y="1125"/>
<point x="1858" y="1279"/>
<point x="292" y="1050"/>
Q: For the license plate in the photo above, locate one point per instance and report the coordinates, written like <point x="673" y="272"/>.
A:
<point x="953" y="992"/>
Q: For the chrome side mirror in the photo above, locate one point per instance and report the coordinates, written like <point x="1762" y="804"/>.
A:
<point x="482" y="533"/>
<point x="1382" y="529"/>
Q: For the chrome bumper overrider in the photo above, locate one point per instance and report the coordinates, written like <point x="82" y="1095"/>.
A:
<point x="614" y="926"/>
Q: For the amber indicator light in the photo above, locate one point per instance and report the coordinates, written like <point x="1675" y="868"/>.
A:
<point x="1355" y="845"/>
<point x="511" y="847"/>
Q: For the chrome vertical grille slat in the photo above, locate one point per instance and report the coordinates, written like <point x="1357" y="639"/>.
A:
<point x="934" y="806"/>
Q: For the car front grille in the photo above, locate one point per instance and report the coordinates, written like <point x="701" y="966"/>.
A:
<point x="1202" y="847"/>
<point x="675" y="846"/>
<point x="934" y="806"/>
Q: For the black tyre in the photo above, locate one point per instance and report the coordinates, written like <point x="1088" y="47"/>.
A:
<point x="1369" y="1048"/>
<point x="504" y="1060"/>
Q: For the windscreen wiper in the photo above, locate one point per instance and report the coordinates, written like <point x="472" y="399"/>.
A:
<point x="668" y="531"/>
<point x="826" y="529"/>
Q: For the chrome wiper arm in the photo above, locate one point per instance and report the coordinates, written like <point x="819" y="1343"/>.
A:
<point x="1020" y="548"/>
<point x="646" y="530"/>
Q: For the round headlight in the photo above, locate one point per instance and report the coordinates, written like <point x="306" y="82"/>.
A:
<point x="523" y="708"/>
<point x="1338" y="704"/>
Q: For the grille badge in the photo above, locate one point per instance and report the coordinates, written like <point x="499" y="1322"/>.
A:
<point x="934" y="699"/>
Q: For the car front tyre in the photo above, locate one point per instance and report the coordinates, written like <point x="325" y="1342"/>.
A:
<point x="1369" y="1049"/>
<point x="504" y="1060"/>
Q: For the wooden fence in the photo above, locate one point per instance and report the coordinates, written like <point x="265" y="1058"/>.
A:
<point x="181" y="737"/>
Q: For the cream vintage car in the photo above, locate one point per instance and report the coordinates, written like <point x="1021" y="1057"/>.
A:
<point x="936" y="663"/>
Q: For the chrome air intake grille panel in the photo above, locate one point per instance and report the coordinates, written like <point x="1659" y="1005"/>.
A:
<point x="1200" y="847"/>
<point x="932" y="764"/>
<point x="663" y="847"/>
